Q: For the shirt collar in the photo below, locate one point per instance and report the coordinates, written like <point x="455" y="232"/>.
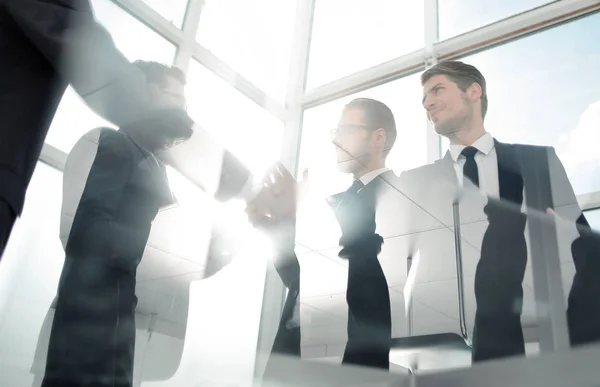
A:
<point x="484" y="144"/>
<point x="370" y="176"/>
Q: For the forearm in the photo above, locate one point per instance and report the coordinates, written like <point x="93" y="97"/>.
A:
<point x="84" y="54"/>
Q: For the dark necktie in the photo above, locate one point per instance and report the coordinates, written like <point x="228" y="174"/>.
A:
<point x="470" y="169"/>
<point x="354" y="188"/>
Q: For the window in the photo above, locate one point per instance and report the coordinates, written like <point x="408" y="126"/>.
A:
<point x="593" y="218"/>
<point x="460" y="16"/>
<point x="317" y="154"/>
<point x="545" y="90"/>
<point x="352" y="35"/>
<point x="29" y="274"/>
<point x="253" y="37"/>
<point x="137" y="41"/>
<point x="249" y="131"/>
<point x="172" y="10"/>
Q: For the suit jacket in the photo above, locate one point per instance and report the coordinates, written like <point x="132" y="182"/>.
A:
<point x="111" y="197"/>
<point x="434" y="186"/>
<point x="44" y="45"/>
<point x="528" y="174"/>
<point x="288" y="337"/>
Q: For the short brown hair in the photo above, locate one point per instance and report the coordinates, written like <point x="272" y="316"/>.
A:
<point x="377" y="115"/>
<point x="157" y="73"/>
<point x="464" y="75"/>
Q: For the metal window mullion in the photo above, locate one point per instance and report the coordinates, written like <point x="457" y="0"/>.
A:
<point x="365" y="79"/>
<point x="515" y="26"/>
<point x="243" y="85"/>
<point x="152" y="19"/>
<point x="431" y="38"/>
<point x="274" y="292"/>
<point x="190" y="27"/>
<point x="589" y="201"/>
<point x="502" y="31"/>
<point x="53" y="157"/>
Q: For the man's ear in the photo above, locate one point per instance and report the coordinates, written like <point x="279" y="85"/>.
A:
<point x="380" y="137"/>
<point x="474" y="92"/>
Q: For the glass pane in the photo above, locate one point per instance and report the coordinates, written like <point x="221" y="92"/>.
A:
<point x="349" y="36"/>
<point x="593" y="218"/>
<point x="187" y="327"/>
<point x="317" y="154"/>
<point x="248" y="130"/>
<point x="253" y="37"/>
<point x="29" y="275"/>
<point x="545" y="90"/>
<point x="459" y="16"/>
<point x="136" y="41"/>
<point x="172" y="10"/>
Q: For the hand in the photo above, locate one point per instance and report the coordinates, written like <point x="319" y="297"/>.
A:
<point x="274" y="208"/>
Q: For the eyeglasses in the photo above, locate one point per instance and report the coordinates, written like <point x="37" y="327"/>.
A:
<point x="346" y="129"/>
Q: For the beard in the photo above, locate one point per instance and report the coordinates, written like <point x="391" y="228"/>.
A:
<point x="451" y="125"/>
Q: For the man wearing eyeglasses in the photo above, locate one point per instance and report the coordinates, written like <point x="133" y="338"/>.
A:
<point x="362" y="141"/>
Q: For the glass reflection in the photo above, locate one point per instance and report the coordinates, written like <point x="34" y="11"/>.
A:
<point x="460" y="16"/>
<point x="253" y="37"/>
<point x="557" y="106"/>
<point x="361" y="34"/>
<point x="137" y="41"/>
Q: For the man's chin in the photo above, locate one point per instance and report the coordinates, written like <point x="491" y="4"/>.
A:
<point x="444" y="130"/>
<point x="347" y="166"/>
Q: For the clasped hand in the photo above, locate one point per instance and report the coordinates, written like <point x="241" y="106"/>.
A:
<point x="274" y="208"/>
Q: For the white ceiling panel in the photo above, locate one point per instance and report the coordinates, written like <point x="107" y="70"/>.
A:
<point x="321" y="276"/>
<point x="183" y="231"/>
<point x="399" y="213"/>
<point x="313" y="335"/>
<point x="317" y="228"/>
<point x="158" y="264"/>
<point x="437" y="259"/>
<point x="313" y="351"/>
<point x="334" y="304"/>
<point x="313" y="316"/>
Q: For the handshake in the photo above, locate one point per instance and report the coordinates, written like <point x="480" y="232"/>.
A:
<point x="273" y="209"/>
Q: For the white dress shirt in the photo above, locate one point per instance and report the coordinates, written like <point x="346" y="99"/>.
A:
<point x="370" y="176"/>
<point x="487" y="164"/>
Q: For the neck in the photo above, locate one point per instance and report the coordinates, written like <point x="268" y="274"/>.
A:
<point x="140" y="137"/>
<point x="467" y="135"/>
<point x="368" y="168"/>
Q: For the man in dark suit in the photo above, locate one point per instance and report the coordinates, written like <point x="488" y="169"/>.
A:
<point x="455" y="98"/>
<point x="363" y="139"/>
<point x="45" y="45"/>
<point x="111" y="196"/>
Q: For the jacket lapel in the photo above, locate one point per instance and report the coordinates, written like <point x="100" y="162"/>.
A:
<point x="510" y="178"/>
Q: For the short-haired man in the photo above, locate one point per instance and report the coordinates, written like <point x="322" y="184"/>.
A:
<point x="363" y="138"/>
<point x="455" y="98"/>
<point x="113" y="187"/>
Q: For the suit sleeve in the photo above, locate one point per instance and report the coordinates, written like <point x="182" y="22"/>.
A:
<point x="96" y="224"/>
<point x="586" y="247"/>
<point x="564" y="198"/>
<point x="288" y="340"/>
<point x="84" y="54"/>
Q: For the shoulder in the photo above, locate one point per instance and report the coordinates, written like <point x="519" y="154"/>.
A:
<point x="528" y="147"/>
<point x="99" y="142"/>
<point x="423" y="170"/>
